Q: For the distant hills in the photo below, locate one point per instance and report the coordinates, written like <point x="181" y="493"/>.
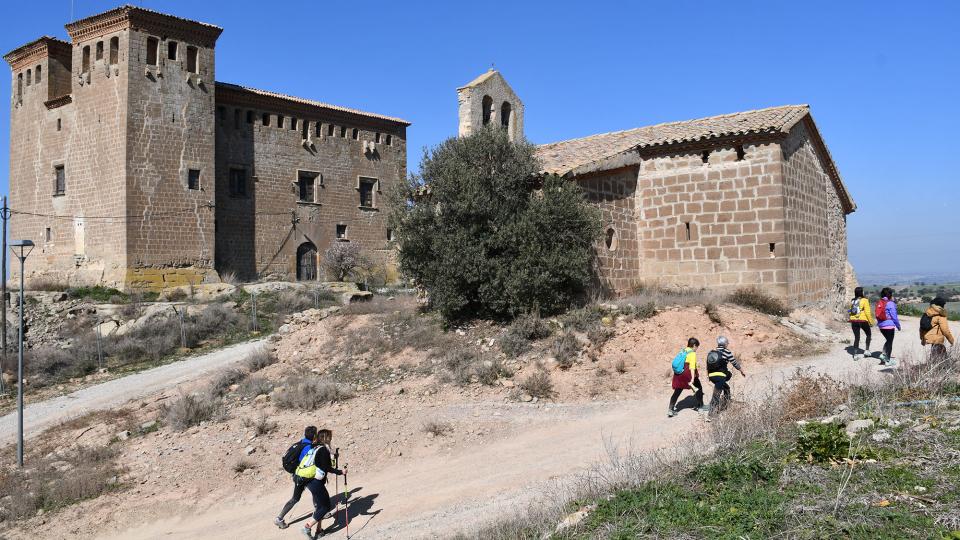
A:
<point x="907" y="278"/>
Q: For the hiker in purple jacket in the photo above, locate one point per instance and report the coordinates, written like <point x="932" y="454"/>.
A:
<point x="889" y="323"/>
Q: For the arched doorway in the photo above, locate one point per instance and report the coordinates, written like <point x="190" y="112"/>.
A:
<point x="307" y="262"/>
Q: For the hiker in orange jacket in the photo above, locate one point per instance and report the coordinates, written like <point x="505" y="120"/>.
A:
<point x="939" y="329"/>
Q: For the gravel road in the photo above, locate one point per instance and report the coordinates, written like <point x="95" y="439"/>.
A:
<point x="40" y="416"/>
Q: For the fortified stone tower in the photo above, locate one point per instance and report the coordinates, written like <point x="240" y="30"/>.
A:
<point x="489" y="100"/>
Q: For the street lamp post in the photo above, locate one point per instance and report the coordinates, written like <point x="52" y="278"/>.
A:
<point x="21" y="249"/>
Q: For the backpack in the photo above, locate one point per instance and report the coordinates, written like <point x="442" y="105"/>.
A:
<point x="679" y="361"/>
<point x="714" y="362"/>
<point x="855" y="307"/>
<point x="291" y="459"/>
<point x="926" y="323"/>
<point x="881" y="309"/>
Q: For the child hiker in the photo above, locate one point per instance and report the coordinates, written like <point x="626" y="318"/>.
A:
<point x="861" y="319"/>
<point x="719" y="374"/>
<point x="687" y="377"/>
<point x="889" y="323"/>
<point x="935" y="328"/>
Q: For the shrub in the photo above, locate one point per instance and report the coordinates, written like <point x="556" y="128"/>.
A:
<point x="583" y="319"/>
<point x="599" y="334"/>
<point x="565" y="348"/>
<point x="711" y="311"/>
<point x="822" y="443"/>
<point x="190" y="410"/>
<point x="255" y="386"/>
<point x="480" y="232"/>
<point x="259" y="359"/>
<point x="243" y="465"/>
<point x="538" y="385"/>
<point x="306" y="393"/>
<point x="756" y="299"/>
<point x="461" y="364"/>
<point x="222" y="383"/>
<point x="490" y="371"/>
<point x="230" y="277"/>
<point x="525" y="329"/>
<point x="261" y="426"/>
<point x="344" y="259"/>
<point x="437" y="428"/>
<point x="177" y="295"/>
<point x="97" y="293"/>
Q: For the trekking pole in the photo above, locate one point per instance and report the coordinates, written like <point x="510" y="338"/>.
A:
<point x="346" y="496"/>
<point x="336" y="465"/>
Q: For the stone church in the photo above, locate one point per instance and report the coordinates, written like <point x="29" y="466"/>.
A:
<point x="749" y="198"/>
<point x="132" y="166"/>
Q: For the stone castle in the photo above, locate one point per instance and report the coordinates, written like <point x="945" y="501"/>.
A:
<point x="131" y="166"/>
<point x="750" y="198"/>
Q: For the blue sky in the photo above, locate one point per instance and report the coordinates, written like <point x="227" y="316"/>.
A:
<point x="881" y="78"/>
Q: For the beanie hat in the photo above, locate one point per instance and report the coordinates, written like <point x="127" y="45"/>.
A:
<point x="939" y="301"/>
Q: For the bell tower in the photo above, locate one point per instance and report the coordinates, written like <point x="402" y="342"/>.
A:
<point x="489" y="101"/>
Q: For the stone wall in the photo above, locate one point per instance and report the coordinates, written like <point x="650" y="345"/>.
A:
<point x="470" y="101"/>
<point x="716" y="223"/>
<point x="258" y="234"/>
<point x="815" y="226"/>
<point x="618" y="257"/>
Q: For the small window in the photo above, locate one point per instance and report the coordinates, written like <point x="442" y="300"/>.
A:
<point x="306" y="183"/>
<point x="505" y="115"/>
<point x="249" y="117"/>
<point x="59" y="124"/>
<point x="341" y="232"/>
<point x="236" y="118"/>
<point x="29" y="77"/>
<point x="48" y="235"/>
<point x="192" y="59"/>
<point x="773" y="250"/>
<point x="60" y="181"/>
<point x="376" y="138"/>
<point x="37" y="75"/>
<point x="610" y="239"/>
<point x="193" y="179"/>
<point x="293" y="124"/>
<point x="85" y="60"/>
<point x="687" y="226"/>
<point x="390" y="237"/>
<point x="367" y="186"/>
<point x="343" y="132"/>
<point x="99" y="54"/>
<point x="265" y="119"/>
<point x="171" y="50"/>
<point x="304" y="129"/>
<point x="740" y="153"/>
<point x="114" y="50"/>
<point x="153" y="44"/>
<point x="238" y="183"/>
<point x="705" y="156"/>
<point x="330" y="129"/>
<point x="280" y="121"/>
<point x="389" y="140"/>
<point x="319" y="129"/>
<point x="487" y="105"/>
<point x="355" y="134"/>
<point x="19" y="87"/>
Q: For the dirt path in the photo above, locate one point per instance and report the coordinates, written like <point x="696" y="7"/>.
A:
<point x="471" y="486"/>
<point x="42" y="415"/>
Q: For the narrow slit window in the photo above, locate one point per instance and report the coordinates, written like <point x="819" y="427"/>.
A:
<point x="193" y="179"/>
<point x="236" y="118"/>
<point x="114" y="50"/>
<point x="705" y="156"/>
<point x="265" y="119"/>
<point x="48" y="235"/>
<point x="686" y="225"/>
<point x="390" y="235"/>
<point x="152" y="45"/>
<point x="19" y="87"/>
<point x="37" y="75"/>
<point x="319" y="129"/>
<point x="376" y="138"/>
<point x="221" y="115"/>
<point x="60" y="180"/>
<point x="238" y="183"/>
<point x="171" y="50"/>
<point x="59" y="124"/>
<point x="355" y="134"/>
<point x="280" y="121"/>
<point x="773" y="250"/>
<point x="293" y="124"/>
<point x="740" y="153"/>
<point x="29" y="77"/>
<point x="304" y="130"/>
<point x="85" y="60"/>
<point x="192" y="59"/>
<point x="99" y="53"/>
<point x="343" y="132"/>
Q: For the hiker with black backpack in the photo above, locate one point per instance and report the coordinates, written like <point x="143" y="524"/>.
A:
<point x="313" y="470"/>
<point x="719" y="374"/>
<point x="935" y="328"/>
<point x="861" y="319"/>
<point x="685" y="376"/>
<point x="888" y="322"/>
<point x="291" y="460"/>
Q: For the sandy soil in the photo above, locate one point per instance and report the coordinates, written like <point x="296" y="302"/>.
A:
<point x="499" y="456"/>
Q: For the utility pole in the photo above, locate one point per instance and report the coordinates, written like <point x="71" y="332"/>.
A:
<point x="4" y="215"/>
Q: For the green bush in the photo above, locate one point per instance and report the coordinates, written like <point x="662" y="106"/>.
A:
<point x="96" y="294"/>
<point x="486" y="236"/>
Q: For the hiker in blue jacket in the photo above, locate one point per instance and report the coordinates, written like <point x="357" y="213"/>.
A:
<point x="308" y="442"/>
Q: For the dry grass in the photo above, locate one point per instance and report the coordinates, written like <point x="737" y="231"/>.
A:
<point x="538" y="385"/>
<point x="522" y="332"/>
<point x="565" y="348"/>
<point x="254" y="386"/>
<point x="620" y="366"/>
<point x="758" y="300"/>
<point x="711" y="311"/>
<point x="222" y="383"/>
<point x="192" y="409"/>
<point x="243" y="465"/>
<point x="259" y="359"/>
<point x="230" y="277"/>
<point x="260" y="426"/>
<point x="466" y="365"/>
<point x="437" y="428"/>
<point x="663" y="296"/>
<point x="304" y="392"/>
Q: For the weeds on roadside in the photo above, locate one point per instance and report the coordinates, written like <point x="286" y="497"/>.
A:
<point x="758" y="300"/>
<point x="192" y="409"/>
<point x="307" y="393"/>
<point x="436" y="428"/>
<point x="259" y="359"/>
<point x="565" y="348"/>
<point x="538" y="384"/>
<point x="524" y="330"/>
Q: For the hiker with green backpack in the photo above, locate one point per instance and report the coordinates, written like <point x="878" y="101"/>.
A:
<point x="291" y="460"/>
<point x="685" y="376"/>
<point x="311" y="462"/>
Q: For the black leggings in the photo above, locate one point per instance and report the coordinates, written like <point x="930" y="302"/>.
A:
<point x="721" y="392"/>
<point x="857" y="327"/>
<point x="321" y="499"/>
<point x="888" y="334"/>
<point x="698" y="395"/>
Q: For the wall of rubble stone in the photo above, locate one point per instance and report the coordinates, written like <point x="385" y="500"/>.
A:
<point x="618" y="251"/>
<point x="815" y="226"/>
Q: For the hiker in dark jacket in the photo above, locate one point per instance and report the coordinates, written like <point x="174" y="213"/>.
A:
<point x="314" y="468"/>
<point x="939" y="330"/>
<point x="718" y="371"/>
<point x="308" y="441"/>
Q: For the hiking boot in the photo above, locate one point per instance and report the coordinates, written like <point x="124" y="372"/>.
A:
<point x="857" y="357"/>
<point x="307" y="531"/>
<point x="883" y="359"/>
<point x="280" y="523"/>
<point x="671" y="413"/>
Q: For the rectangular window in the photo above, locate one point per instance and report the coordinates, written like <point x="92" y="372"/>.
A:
<point x="249" y="117"/>
<point x="59" y="124"/>
<point x="48" y="235"/>
<point x="304" y="129"/>
<point x="389" y="235"/>
<point x="192" y="59"/>
<point x="172" y="50"/>
<point x="367" y="186"/>
<point x="265" y="119"/>
<point x="221" y="115"/>
<point x="85" y="60"/>
<point x="306" y="182"/>
<point x="319" y="129"/>
<point x="37" y="79"/>
<point x="389" y="140"/>
<point x="60" y="182"/>
<point x="356" y="134"/>
<point x="152" y="53"/>
<point x="343" y="132"/>
<point x="341" y="232"/>
<point x="280" y="121"/>
<point x="193" y="179"/>
<point x="29" y="77"/>
<point x="236" y="118"/>
<point x="99" y="50"/>
<point x="238" y="183"/>
<point x="376" y="138"/>
<point x="19" y="87"/>
<point x="330" y="128"/>
<point x="293" y="124"/>
<point x="114" y="50"/>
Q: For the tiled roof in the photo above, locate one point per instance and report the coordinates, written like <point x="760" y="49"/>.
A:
<point x="267" y="93"/>
<point x="567" y="156"/>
